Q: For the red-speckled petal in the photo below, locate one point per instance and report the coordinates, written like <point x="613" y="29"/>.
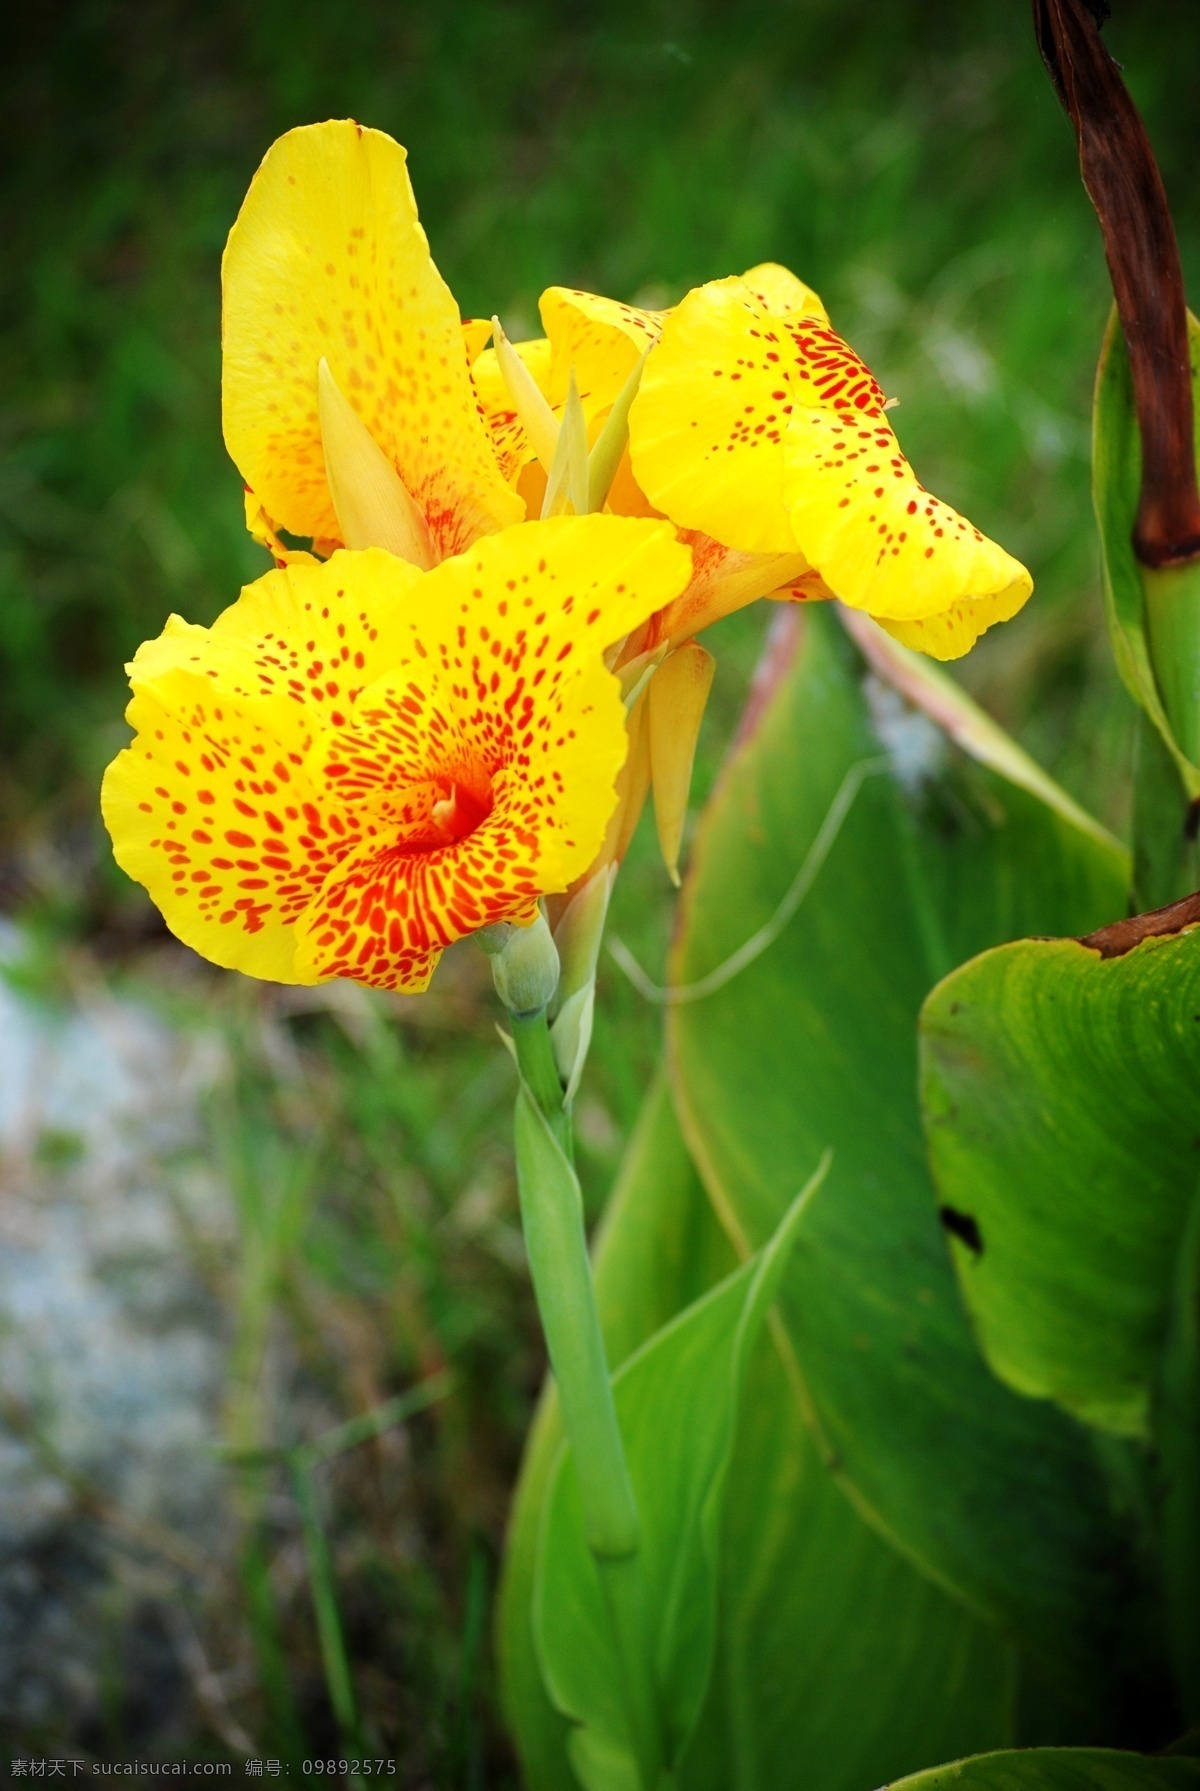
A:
<point x="327" y="259"/>
<point x="211" y="809"/>
<point x="878" y="539"/>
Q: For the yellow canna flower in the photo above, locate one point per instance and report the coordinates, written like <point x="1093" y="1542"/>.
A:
<point x="363" y="412"/>
<point x="755" y="423"/>
<point x="327" y="262"/>
<point x="360" y="763"/>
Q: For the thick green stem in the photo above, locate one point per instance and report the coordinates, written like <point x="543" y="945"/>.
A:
<point x="1173" y="627"/>
<point x="561" y="1270"/>
<point x="1166" y="852"/>
<point x="535" y="1060"/>
<point x="1165" y="814"/>
<point x="624" y="1593"/>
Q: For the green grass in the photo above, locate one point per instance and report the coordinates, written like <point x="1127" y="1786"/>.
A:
<point x="907" y="158"/>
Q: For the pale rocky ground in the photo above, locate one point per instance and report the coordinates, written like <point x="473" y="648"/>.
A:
<point x="112" y="1500"/>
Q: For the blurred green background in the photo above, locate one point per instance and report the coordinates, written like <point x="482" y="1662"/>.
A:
<point x="905" y="157"/>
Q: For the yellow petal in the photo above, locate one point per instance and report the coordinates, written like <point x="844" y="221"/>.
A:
<point x="373" y="508"/>
<point x="263" y="529"/>
<point x="758" y="426"/>
<point x="476" y="335"/>
<point x="311" y="633"/>
<point x="675" y="708"/>
<point x="600" y="338"/>
<point x="954" y="631"/>
<point x="210" y="809"/>
<point x="879" y="540"/>
<point x="781" y="294"/>
<point x="706" y="425"/>
<point x="625" y="495"/>
<point x="327" y="258"/>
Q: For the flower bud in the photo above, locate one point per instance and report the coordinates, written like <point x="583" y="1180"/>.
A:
<point x="524" y="964"/>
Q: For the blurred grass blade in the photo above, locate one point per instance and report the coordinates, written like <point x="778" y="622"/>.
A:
<point x="469" y="1759"/>
<point x="336" y="1662"/>
<point x="284" y="1732"/>
<point x="375" y="1422"/>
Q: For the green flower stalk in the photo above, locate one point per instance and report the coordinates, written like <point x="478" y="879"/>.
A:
<point x="525" y="969"/>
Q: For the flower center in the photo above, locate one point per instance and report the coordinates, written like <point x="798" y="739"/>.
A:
<point x="459" y="812"/>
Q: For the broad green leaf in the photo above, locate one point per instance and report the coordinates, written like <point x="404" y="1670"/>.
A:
<point x="677" y="1401"/>
<point x="1177" y="1436"/>
<point x="1116" y="482"/>
<point x="831" y="1649"/>
<point x="1060" y="1094"/>
<point x="814" y="1044"/>
<point x="1059" y="1769"/>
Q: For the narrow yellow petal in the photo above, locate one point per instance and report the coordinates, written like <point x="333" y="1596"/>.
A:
<point x="567" y="487"/>
<point x="537" y="419"/>
<point x="625" y="495"/>
<point x="632" y="786"/>
<point x="510" y="443"/>
<point x="675" y="708"/>
<point x="327" y="258"/>
<point x="612" y="443"/>
<point x="373" y="508"/>
<point x="263" y="531"/>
